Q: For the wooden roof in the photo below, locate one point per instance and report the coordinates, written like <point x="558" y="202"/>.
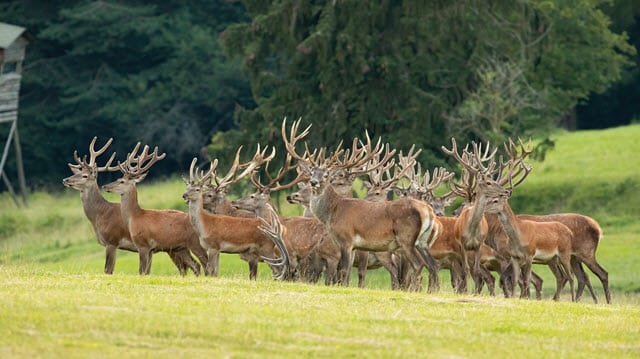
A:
<point x="9" y="33"/>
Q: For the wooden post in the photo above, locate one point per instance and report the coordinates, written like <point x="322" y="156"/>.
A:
<point x="21" y="179"/>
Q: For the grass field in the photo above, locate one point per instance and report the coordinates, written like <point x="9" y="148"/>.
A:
<point x="57" y="303"/>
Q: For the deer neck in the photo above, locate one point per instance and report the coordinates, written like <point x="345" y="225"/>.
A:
<point x="512" y="229"/>
<point x="129" y="206"/>
<point x="474" y="227"/>
<point x="93" y="203"/>
<point x="324" y="204"/>
<point x="307" y="211"/>
<point x="197" y="213"/>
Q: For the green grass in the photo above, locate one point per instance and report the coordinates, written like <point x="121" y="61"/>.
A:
<point x="57" y="303"/>
<point x="60" y="314"/>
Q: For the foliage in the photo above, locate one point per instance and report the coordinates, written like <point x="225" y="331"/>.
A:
<point x="618" y="105"/>
<point x="418" y="72"/>
<point x="411" y="71"/>
<point x="134" y="70"/>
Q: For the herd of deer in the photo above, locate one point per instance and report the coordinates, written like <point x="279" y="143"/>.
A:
<point x="338" y="232"/>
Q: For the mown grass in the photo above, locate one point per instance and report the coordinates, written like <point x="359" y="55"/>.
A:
<point x="57" y="303"/>
<point x="58" y="314"/>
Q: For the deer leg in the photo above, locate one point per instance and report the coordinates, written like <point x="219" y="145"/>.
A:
<point x="188" y="260"/>
<point x="200" y="253"/>
<point x="253" y="268"/>
<point x="561" y="278"/>
<point x="144" y="253"/>
<point x="178" y="261"/>
<point x="331" y="271"/>
<point x="344" y="267"/>
<point x="429" y="262"/>
<point x="600" y="272"/>
<point x="363" y="258"/>
<point x="525" y="291"/>
<point x="391" y="266"/>
<point x="457" y="275"/>
<point x="583" y="279"/>
<point x="477" y="275"/>
<point x="565" y="261"/>
<point x="536" y="281"/>
<point x="515" y="276"/>
<point x="213" y="262"/>
<point x="110" y="262"/>
<point x="505" y="279"/>
<point x="487" y="278"/>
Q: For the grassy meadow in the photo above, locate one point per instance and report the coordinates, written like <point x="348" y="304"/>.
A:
<point x="57" y="303"/>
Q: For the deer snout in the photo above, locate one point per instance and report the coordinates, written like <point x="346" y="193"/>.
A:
<point x="314" y="182"/>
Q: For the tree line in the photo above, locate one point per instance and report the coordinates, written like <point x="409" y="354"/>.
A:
<point x="199" y="78"/>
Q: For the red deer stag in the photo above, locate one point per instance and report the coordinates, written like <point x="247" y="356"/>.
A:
<point x="584" y="242"/>
<point x="326" y="255"/>
<point x="227" y="234"/>
<point x="471" y="227"/>
<point x="535" y="242"/>
<point x="105" y="216"/>
<point x="302" y="234"/>
<point x="151" y="230"/>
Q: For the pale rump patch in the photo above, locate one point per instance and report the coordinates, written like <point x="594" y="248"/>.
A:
<point x="545" y="255"/>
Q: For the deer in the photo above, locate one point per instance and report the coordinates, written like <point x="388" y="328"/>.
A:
<point x="302" y="234"/>
<point x="380" y="187"/>
<point x="150" y="230"/>
<point x="227" y="234"/>
<point x="529" y="241"/>
<point x="471" y="226"/>
<point x="105" y="216"/>
<point x="214" y="193"/>
<point x="584" y="242"/>
<point x="326" y="255"/>
<point x="586" y="236"/>
<point x="405" y="224"/>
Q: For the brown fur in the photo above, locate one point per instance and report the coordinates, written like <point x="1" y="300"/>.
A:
<point x="227" y="234"/>
<point x="551" y="238"/>
<point x="585" y="240"/>
<point x="154" y="230"/>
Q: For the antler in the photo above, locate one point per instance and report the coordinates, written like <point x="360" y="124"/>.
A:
<point x="474" y="161"/>
<point x="272" y="228"/>
<point x="431" y="181"/>
<point x="364" y="159"/>
<point x="93" y="155"/>
<point x="198" y="177"/>
<point x="232" y="175"/>
<point x="515" y="166"/>
<point x="274" y="182"/>
<point x="138" y="165"/>
<point x="290" y="144"/>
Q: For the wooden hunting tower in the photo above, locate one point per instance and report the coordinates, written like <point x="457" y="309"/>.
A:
<point x="13" y="41"/>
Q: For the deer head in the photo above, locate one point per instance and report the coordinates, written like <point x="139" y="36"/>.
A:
<point x="86" y="173"/>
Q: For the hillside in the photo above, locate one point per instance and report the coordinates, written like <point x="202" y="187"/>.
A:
<point x="590" y="172"/>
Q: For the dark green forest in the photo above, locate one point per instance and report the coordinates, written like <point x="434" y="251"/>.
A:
<point x="199" y="78"/>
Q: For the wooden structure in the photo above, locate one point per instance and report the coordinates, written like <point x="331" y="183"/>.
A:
<point x="13" y="41"/>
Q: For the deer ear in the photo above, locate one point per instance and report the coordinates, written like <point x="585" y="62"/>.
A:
<point x="367" y="184"/>
<point x="141" y="177"/>
<point x="449" y="201"/>
<point x="74" y="169"/>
